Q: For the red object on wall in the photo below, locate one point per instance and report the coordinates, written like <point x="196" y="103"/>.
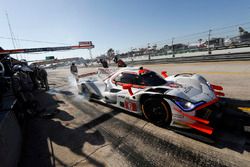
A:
<point x="164" y="74"/>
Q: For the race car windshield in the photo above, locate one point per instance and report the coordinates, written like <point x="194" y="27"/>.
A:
<point x="152" y="79"/>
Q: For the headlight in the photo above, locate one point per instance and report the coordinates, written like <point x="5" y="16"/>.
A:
<point x="186" y="105"/>
<point x="189" y="105"/>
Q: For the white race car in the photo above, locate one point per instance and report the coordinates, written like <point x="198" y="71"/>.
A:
<point x="183" y="100"/>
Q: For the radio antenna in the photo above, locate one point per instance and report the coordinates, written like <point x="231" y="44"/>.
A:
<point x="11" y="33"/>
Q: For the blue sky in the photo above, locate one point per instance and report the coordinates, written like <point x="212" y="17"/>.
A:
<point x="118" y="24"/>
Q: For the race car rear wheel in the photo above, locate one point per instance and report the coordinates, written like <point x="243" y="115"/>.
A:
<point x="157" y="111"/>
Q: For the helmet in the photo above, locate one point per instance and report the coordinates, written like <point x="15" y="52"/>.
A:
<point x="73" y="64"/>
<point x="16" y="68"/>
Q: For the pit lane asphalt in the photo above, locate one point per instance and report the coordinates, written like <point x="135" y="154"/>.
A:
<point x="90" y="134"/>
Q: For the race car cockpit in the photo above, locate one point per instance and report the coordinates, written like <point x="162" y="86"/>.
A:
<point x="148" y="78"/>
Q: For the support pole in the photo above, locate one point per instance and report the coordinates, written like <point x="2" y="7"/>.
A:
<point x="173" y="47"/>
<point x="209" y="35"/>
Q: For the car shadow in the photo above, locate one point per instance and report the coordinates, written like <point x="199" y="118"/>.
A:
<point x="229" y="130"/>
<point x="41" y="135"/>
<point x="232" y="130"/>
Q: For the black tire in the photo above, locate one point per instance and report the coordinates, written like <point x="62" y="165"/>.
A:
<point x="157" y="111"/>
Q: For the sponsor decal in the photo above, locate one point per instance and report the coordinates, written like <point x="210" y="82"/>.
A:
<point x="178" y="116"/>
<point x="174" y="85"/>
<point x="121" y="96"/>
<point x="187" y="89"/>
<point x="130" y="105"/>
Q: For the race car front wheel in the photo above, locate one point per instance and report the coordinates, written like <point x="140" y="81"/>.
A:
<point x="157" y="111"/>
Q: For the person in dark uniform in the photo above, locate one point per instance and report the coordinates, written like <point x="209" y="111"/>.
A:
<point x="22" y="86"/>
<point x="33" y="76"/>
<point x="2" y="83"/>
<point x="39" y="76"/>
<point x="104" y="63"/>
<point x="43" y="77"/>
<point x="119" y="62"/>
<point x="74" y="71"/>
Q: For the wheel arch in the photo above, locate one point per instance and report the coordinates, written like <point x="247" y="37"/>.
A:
<point x="144" y="97"/>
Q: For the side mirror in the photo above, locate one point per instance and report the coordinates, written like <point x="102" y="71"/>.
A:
<point x="128" y="86"/>
<point x="164" y="74"/>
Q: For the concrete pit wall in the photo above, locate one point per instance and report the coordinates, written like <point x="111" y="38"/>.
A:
<point x="10" y="139"/>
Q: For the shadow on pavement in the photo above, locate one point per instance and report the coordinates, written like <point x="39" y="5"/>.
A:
<point x="229" y="129"/>
<point x="232" y="129"/>
<point x="42" y="134"/>
<point x="236" y="102"/>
